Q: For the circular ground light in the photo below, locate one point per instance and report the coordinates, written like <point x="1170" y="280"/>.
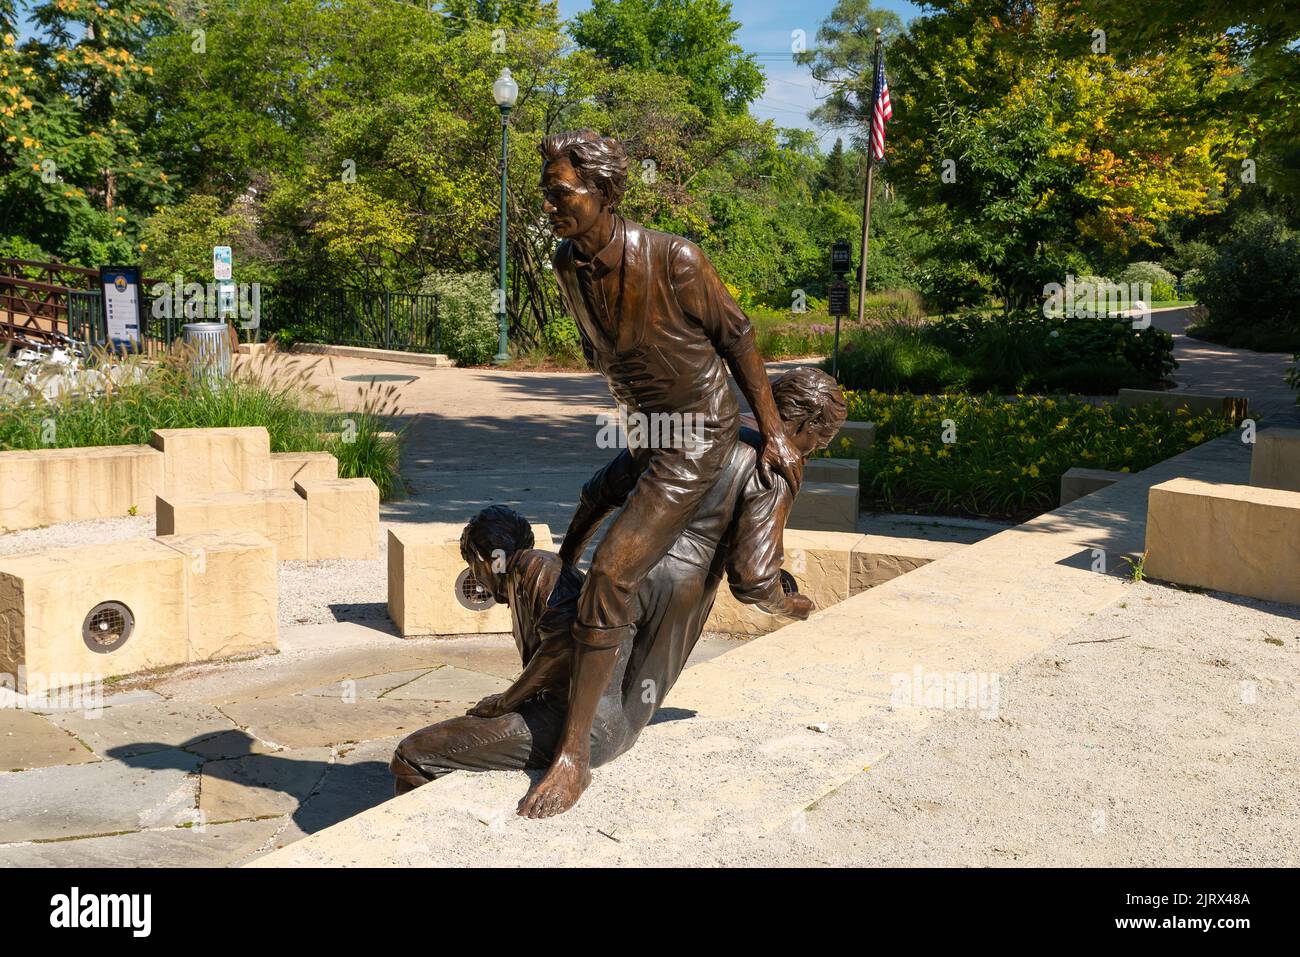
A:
<point x="788" y="584"/>
<point x="471" y="593"/>
<point x="107" y="627"/>
<point x="381" y="377"/>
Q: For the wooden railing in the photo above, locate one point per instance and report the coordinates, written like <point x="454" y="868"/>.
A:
<point x="34" y="298"/>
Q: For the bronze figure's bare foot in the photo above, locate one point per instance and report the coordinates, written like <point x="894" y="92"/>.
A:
<point x="558" y="790"/>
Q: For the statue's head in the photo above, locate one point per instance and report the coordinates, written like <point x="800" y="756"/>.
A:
<point x="583" y="175"/>
<point x="812" y="406"/>
<point x="488" y="541"/>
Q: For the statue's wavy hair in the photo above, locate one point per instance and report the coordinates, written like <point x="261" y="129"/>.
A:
<point x="496" y="527"/>
<point x="811" y="398"/>
<point x="598" y="160"/>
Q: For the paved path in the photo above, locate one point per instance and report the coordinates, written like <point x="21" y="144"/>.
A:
<point x="1206" y="367"/>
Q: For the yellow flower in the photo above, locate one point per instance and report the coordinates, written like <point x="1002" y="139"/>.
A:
<point x="9" y="39"/>
<point x="143" y="247"/>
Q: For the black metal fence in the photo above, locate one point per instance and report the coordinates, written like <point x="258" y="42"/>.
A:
<point x="86" y="323"/>
<point x="378" y="319"/>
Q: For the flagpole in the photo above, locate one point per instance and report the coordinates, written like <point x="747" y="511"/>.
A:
<point x="866" y="199"/>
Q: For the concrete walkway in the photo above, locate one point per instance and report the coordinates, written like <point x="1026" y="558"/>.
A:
<point x="733" y="761"/>
<point x="1206" y="367"/>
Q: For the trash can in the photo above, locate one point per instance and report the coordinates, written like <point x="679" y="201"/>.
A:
<point x="210" y="342"/>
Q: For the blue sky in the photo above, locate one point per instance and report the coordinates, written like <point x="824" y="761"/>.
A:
<point x="765" y="29"/>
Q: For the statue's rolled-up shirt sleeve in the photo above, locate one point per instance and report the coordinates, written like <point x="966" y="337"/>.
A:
<point x="703" y="296"/>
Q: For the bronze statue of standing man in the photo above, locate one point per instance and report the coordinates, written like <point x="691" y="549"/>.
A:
<point x="658" y="323"/>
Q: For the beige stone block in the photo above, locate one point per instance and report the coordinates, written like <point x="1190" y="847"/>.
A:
<point x="1078" y="482"/>
<point x="278" y="514"/>
<point x="1234" y="538"/>
<point x="854" y="437"/>
<point x="1232" y="405"/>
<point x="820" y="564"/>
<point x="48" y="486"/>
<point x="45" y="598"/>
<point x="834" y="471"/>
<point x="424" y="565"/>
<point x="204" y="461"/>
<point x="233" y="592"/>
<point x="342" y="518"/>
<point x="290" y="467"/>
<point x="877" y="559"/>
<point x="825" y="506"/>
<point x="1275" y="459"/>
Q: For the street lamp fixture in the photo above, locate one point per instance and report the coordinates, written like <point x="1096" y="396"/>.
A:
<point x="505" y="91"/>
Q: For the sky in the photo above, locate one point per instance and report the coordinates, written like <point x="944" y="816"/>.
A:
<point x="766" y="28"/>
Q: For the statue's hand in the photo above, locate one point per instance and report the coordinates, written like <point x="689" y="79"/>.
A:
<point x="558" y="790"/>
<point x="490" y="707"/>
<point x="779" y="457"/>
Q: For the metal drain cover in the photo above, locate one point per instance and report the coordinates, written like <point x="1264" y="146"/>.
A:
<point x="107" y="627"/>
<point x="471" y="593"/>
<point x="380" y="377"/>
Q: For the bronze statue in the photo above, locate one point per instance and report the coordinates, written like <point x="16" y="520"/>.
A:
<point x="737" y="530"/>
<point x="657" y="322"/>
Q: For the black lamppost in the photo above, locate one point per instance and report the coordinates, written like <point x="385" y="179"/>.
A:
<point x="505" y="91"/>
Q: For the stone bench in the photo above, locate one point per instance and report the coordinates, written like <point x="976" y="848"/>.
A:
<point x="1234" y="538"/>
<point x="48" y="486"/>
<point x="342" y="518"/>
<point x="1078" y="482"/>
<point x="290" y="467"/>
<point x="831" y="471"/>
<point x="1198" y="403"/>
<point x="177" y="599"/>
<point x="198" y="461"/>
<point x="425" y="570"/>
<point x="279" y="514"/>
<point x="319" y="520"/>
<point x="1275" y="459"/>
<point x="825" y="506"/>
<point x="859" y="436"/>
<point x="828" y="567"/>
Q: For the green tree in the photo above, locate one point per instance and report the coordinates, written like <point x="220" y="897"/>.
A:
<point x="1262" y="36"/>
<point x="1032" y="149"/>
<point x="843" y="60"/>
<point x="838" y="174"/>
<point x="693" y="39"/>
<point x="79" y="181"/>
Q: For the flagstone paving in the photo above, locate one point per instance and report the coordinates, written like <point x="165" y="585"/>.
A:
<point x="215" y="764"/>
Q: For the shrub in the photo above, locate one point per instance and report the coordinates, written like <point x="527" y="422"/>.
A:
<point x="1027" y="352"/>
<point x="1008" y="455"/>
<point x="1154" y="273"/>
<point x="561" y="339"/>
<point x="898" y="359"/>
<point x="1251" y="287"/>
<point x="469" y="326"/>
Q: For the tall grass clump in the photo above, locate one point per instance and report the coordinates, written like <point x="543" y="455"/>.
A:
<point x="120" y="401"/>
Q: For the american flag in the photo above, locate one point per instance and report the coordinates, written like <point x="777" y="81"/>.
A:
<point x="882" y="112"/>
